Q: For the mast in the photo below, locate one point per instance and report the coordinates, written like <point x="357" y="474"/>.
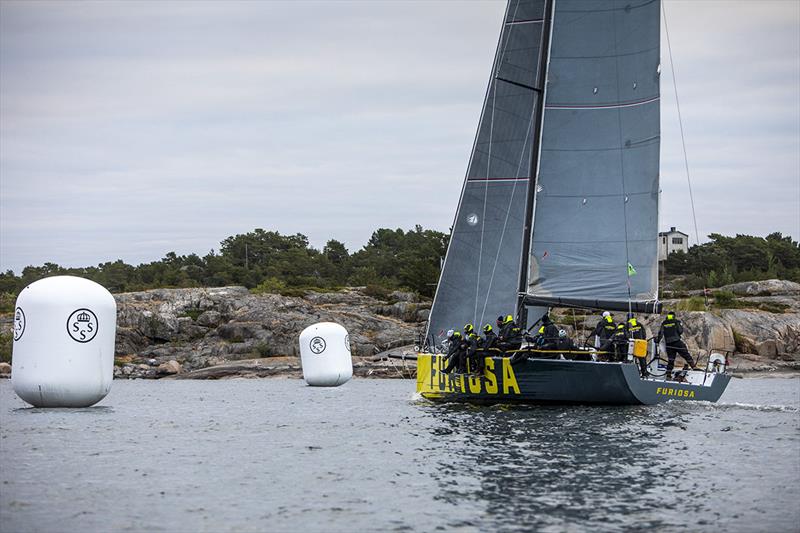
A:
<point x="538" y="119"/>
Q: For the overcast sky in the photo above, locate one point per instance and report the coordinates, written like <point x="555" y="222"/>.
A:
<point x="131" y="129"/>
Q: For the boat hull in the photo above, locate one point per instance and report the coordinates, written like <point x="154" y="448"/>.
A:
<point x="542" y="381"/>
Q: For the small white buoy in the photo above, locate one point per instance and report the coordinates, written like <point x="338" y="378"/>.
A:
<point x="325" y="355"/>
<point x="64" y="331"/>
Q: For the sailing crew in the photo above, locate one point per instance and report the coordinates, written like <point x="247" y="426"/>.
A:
<point x="564" y="343"/>
<point x="604" y="329"/>
<point x="453" y="357"/>
<point x="671" y="329"/>
<point x="489" y="337"/>
<point x="472" y="339"/>
<point x="617" y="346"/>
<point x="637" y="331"/>
<point x="510" y="336"/>
<point x="548" y="332"/>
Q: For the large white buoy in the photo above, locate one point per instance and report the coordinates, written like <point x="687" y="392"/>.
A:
<point x="325" y="355"/>
<point x="64" y="330"/>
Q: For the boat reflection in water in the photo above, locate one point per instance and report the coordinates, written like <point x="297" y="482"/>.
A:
<point x="560" y="468"/>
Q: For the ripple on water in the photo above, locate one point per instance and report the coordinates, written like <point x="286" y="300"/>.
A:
<point x="372" y="455"/>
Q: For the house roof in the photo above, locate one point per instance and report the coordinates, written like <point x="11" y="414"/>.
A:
<point x="668" y="233"/>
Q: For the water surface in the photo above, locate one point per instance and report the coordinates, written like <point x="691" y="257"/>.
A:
<point x="273" y="454"/>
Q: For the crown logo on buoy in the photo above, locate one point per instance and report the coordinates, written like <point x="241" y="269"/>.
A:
<point x="84" y="317"/>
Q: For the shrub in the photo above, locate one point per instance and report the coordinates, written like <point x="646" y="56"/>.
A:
<point x="6" y="342"/>
<point x="191" y="313"/>
<point x="262" y="349"/>
<point x="7" y="301"/>
<point x="378" y="292"/>
<point x="695" y="303"/>
<point x="773" y="307"/>
<point x="726" y="300"/>
<point x="269" y="285"/>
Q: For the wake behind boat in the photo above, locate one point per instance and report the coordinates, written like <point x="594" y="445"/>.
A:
<point x="560" y="207"/>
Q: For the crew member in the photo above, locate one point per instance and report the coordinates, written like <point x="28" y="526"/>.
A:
<point x="604" y="329"/>
<point x="637" y="331"/>
<point x="472" y="339"/>
<point x="510" y="336"/>
<point x="548" y="332"/>
<point x="617" y="346"/>
<point x="489" y="337"/>
<point x="454" y="352"/>
<point x="671" y="329"/>
<point x="564" y="343"/>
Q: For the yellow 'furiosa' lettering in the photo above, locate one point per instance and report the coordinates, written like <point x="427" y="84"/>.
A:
<point x="491" y="379"/>
<point x="509" y="379"/>
<point x="665" y="391"/>
<point x="432" y="379"/>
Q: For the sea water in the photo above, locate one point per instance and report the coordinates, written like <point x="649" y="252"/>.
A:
<point x="276" y="455"/>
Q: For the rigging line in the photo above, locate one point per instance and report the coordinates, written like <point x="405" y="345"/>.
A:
<point x="483" y="215"/>
<point x="683" y="140"/>
<point x="495" y="72"/>
<point x="622" y="171"/>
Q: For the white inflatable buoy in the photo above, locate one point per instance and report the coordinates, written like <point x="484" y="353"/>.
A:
<point x="325" y="355"/>
<point x="64" y="331"/>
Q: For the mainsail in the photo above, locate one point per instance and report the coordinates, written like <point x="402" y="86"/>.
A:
<point x="596" y="203"/>
<point x="479" y="279"/>
<point x="587" y="234"/>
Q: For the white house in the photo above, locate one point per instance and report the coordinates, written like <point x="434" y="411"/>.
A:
<point x="671" y="241"/>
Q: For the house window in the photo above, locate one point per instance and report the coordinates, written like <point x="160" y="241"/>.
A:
<point x="677" y="240"/>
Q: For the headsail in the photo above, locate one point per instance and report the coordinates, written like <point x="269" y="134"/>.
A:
<point x="481" y="271"/>
<point x="596" y="202"/>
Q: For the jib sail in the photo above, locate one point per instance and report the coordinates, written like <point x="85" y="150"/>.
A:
<point x="479" y="279"/>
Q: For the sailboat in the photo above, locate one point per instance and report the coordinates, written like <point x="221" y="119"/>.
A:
<point x="559" y="206"/>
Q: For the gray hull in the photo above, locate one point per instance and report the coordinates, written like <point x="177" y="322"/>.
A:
<point x="541" y="381"/>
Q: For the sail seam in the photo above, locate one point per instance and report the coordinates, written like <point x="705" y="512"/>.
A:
<point x="606" y="106"/>
<point x="593" y="241"/>
<point x="626" y="8"/>
<point x="616" y="149"/>
<point x="626" y="54"/>
<point x="615" y="195"/>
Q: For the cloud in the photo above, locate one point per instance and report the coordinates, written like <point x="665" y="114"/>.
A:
<point x="128" y="130"/>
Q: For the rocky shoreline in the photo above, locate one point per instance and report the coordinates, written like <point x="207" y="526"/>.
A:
<point x="228" y="332"/>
